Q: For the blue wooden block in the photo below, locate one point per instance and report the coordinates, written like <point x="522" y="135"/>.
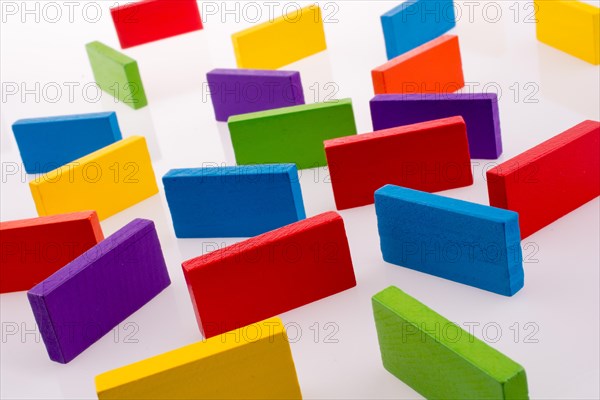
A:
<point x="414" y="23"/>
<point x="238" y="201"/>
<point x="465" y="242"/>
<point x="50" y="142"/>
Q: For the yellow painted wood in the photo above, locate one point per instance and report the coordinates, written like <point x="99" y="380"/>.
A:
<point x="108" y="181"/>
<point x="276" y="43"/>
<point x="253" y="362"/>
<point x="570" y="26"/>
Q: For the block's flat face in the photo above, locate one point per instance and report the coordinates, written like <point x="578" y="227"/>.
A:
<point x="242" y="91"/>
<point x="117" y="74"/>
<point x="571" y="26"/>
<point x="233" y="201"/>
<point x="290" y="134"/>
<point x="479" y="110"/>
<point x="437" y="358"/>
<point x="465" y="242"/>
<point x="108" y="181"/>
<point x="435" y="67"/>
<point x="88" y="297"/>
<point x="33" y="249"/>
<point x="253" y="362"/>
<point x="149" y="20"/>
<point x="414" y="23"/>
<point x="270" y="274"/>
<point x="551" y="179"/>
<point x="430" y="156"/>
<point x="48" y="143"/>
<point x="282" y="41"/>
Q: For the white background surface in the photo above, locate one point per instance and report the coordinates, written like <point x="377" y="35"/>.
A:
<point x="560" y="301"/>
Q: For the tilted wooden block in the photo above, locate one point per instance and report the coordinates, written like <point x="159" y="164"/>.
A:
<point x="551" y="179"/>
<point x="252" y="362"/>
<point x="439" y="359"/>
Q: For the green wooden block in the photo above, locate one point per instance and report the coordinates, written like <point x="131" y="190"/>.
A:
<point x="436" y="357"/>
<point x="290" y="134"/>
<point x="117" y="74"/>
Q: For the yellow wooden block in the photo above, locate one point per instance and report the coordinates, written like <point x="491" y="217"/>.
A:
<point x="276" y="43"/>
<point x="253" y="362"/>
<point x="108" y="181"/>
<point x="570" y="26"/>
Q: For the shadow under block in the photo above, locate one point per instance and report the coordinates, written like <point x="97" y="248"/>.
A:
<point x="464" y="242"/>
<point x="117" y="74"/>
<point x="551" y="179"/>
<point x="436" y="357"/>
<point x="239" y="201"/>
<point x="430" y="156"/>
<point x="479" y="110"/>
<point x="435" y="67"/>
<point x="107" y="181"/>
<point x="571" y="26"/>
<point x="270" y="274"/>
<point x="243" y="91"/>
<point x="150" y="20"/>
<point x="416" y="22"/>
<point x="282" y="41"/>
<point x="253" y="362"/>
<point x="290" y="134"/>
<point x="91" y="295"/>
<point x="33" y="249"/>
<point x="48" y="143"/>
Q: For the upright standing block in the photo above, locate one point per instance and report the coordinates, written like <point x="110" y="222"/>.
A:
<point x="479" y="110"/>
<point x="233" y="201"/>
<point x="439" y="359"/>
<point x="108" y="181"/>
<point x="33" y="249"/>
<point x="290" y="134"/>
<point x="270" y="274"/>
<point x="282" y="41"/>
<point x="242" y="91"/>
<point x="150" y="20"/>
<point x="430" y="156"/>
<point x="117" y="74"/>
<point x="435" y="67"/>
<point x="253" y="362"/>
<point x="91" y="295"/>
<point x="550" y="180"/>
<point x="48" y="143"/>
<point x="416" y="22"/>
<point x="465" y="242"/>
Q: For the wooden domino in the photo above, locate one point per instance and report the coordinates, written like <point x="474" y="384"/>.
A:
<point x="33" y="249"/>
<point x="464" y="242"/>
<point x="108" y="180"/>
<point x="436" y="357"/>
<point x="435" y="67"/>
<point x="282" y="41"/>
<point x="270" y="274"/>
<point x="551" y="179"/>
<point x="252" y="362"/>
<point x="91" y="295"/>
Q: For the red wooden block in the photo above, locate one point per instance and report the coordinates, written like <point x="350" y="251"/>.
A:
<point x="550" y="180"/>
<point x="270" y="274"/>
<point x="429" y="156"/>
<point x="149" y="20"/>
<point x="33" y="249"/>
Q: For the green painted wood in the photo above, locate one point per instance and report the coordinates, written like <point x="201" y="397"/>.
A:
<point x="117" y="74"/>
<point x="436" y="357"/>
<point x="290" y="134"/>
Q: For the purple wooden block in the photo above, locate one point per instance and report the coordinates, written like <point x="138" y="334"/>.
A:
<point x="241" y="91"/>
<point x="91" y="295"/>
<point x="480" y="112"/>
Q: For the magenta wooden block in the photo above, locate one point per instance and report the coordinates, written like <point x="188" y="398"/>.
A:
<point x="91" y="295"/>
